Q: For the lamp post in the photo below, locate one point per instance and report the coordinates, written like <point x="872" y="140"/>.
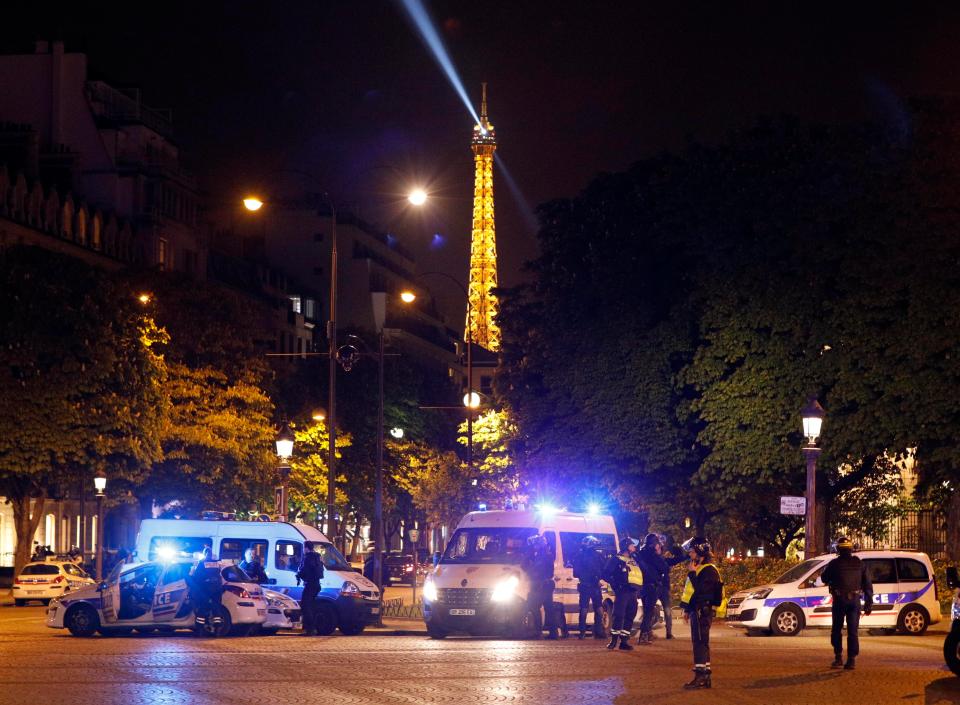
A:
<point x="284" y="451"/>
<point x="812" y="415"/>
<point x="100" y="483"/>
<point x="471" y="400"/>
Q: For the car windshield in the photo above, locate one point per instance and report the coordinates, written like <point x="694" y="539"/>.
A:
<point x="41" y="569"/>
<point x="798" y="571"/>
<point x="234" y="574"/>
<point x="488" y="545"/>
<point x="332" y="558"/>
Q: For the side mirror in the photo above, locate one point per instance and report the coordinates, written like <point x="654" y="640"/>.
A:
<point x="953" y="578"/>
<point x="436" y="558"/>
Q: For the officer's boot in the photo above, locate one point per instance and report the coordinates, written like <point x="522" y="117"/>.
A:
<point x="709" y="674"/>
<point x="645" y="639"/>
<point x="625" y="641"/>
<point x="837" y="660"/>
<point x="614" y="639"/>
<point x="700" y="680"/>
<point x="851" y="664"/>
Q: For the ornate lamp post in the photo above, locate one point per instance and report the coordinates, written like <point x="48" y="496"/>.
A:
<point x="812" y="415"/>
<point x="100" y="483"/>
<point x="284" y="451"/>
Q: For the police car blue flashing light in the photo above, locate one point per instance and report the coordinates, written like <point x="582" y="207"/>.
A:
<point x="546" y="509"/>
<point x="593" y="509"/>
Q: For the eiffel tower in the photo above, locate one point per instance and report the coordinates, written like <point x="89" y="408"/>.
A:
<point x="482" y="306"/>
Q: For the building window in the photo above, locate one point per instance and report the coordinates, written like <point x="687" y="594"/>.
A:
<point x="295" y="304"/>
<point x="50" y="532"/>
<point x="163" y="255"/>
<point x="309" y="308"/>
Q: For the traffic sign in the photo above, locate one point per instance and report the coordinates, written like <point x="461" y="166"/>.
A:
<point x="793" y="505"/>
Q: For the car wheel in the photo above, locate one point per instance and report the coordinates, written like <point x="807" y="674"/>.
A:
<point x="82" y="621"/>
<point x="244" y="629"/>
<point x="913" y="620"/>
<point x="216" y="630"/>
<point x="326" y="620"/>
<point x="787" y="620"/>
<point x="435" y="632"/>
<point x="951" y="651"/>
<point x="19" y="603"/>
<point x="352" y="629"/>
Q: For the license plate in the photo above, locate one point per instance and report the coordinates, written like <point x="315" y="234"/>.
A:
<point x="34" y="592"/>
<point x="374" y="610"/>
<point x="463" y="613"/>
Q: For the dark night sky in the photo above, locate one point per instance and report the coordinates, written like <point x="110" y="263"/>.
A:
<point x="347" y="90"/>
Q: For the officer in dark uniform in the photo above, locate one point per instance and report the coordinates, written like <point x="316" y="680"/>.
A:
<point x="538" y="565"/>
<point x="846" y="576"/>
<point x="206" y="590"/>
<point x="702" y="596"/>
<point x="252" y="567"/>
<point x="655" y="572"/>
<point x="310" y="573"/>
<point x="587" y="568"/>
<point x="626" y="579"/>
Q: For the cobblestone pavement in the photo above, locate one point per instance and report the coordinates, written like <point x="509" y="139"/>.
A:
<point x="40" y="665"/>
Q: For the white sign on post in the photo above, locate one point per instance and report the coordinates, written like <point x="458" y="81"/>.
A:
<point x="793" y="505"/>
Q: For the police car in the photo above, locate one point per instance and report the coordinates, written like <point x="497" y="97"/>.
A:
<point x="45" y="580"/>
<point x="283" y="612"/>
<point x="904" y="596"/>
<point x="154" y="596"/>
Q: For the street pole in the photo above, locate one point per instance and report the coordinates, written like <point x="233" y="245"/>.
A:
<point x="811" y="452"/>
<point x="469" y="390"/>
<point x="378" y="491"/>
<point x="83" y="518"/>
<point x="332" y="398"/>
<point x="284" y="481"/>
<point x="100" y="536"/>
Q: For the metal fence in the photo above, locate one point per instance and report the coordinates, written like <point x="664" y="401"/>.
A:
<point x="921" y="530"/>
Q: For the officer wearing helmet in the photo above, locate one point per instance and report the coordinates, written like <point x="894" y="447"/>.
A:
<point x="846" y="576"/>
<point x="702" y="598"/>
<point x="538" y="565"/>
<point x="588" y="568"/>
<point x="626" y="579"/>
<point x="656" y="572"/>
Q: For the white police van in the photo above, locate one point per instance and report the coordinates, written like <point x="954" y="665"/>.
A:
<point x="904" y="596"/>
<point x="478" y="586"/>
<point x="347" y="599"/>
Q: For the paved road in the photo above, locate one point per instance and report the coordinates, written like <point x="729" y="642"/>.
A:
<point x="39" y="665"/>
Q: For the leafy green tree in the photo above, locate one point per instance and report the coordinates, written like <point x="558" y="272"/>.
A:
<point x="81" y="383"/>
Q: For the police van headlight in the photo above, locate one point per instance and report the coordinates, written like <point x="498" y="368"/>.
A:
<point x="350" y="589"/>
<point x="759" y="594"/>
<point x="505" y="589"/>
<point x="429" y="589"/>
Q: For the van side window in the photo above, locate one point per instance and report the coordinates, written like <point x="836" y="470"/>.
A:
<point x="571" y="541"/>
<point x="288" y="555"/>
<point x="911" y="571"/>
<point x="233" y="549"/>
<point x="881" y="570"/>
<point x="175" y="572"/>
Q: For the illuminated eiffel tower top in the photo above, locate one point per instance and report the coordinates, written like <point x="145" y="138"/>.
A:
<point x="482" y="306"/>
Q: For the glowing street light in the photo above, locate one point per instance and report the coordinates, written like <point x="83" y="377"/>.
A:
<point x="319" y="415"/>
<point x="408" y="297"/>
<point x="812" y="415"/>
<point x="417" y="197"/>
<point x="252" y="203"/>
<point x="144" y="298"/>
<point x="471" y="400"/>
<point x="396" y="433"/>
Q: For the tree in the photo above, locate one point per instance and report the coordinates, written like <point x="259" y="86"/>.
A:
<point x="81" y="383"/>
<point x="308" y="476"/>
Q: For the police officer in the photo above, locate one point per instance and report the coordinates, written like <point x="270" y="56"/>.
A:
<point x="310" y="573"/>
<point x="702" y="596"/>
<point x="538" y="565"/>
<point x="626" y="579"/>
<point x="847" y="578"/>
<point x="587" y="568"/>
<point x="206" y="590"/>
<point x="655" y="573"/>
<point x="252" y="567"/>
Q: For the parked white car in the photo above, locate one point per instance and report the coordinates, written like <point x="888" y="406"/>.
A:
<point x="155" y="596"/>
<point x="904" y="596"/>
<point x="283" y="612"/>
<point x="48" y="579"/>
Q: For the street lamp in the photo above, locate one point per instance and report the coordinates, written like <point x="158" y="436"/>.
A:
<point x="417" y="197"/>
<point x="812" y="415"/>
<point x="100" y="483"/>
<point x="471" y="400"/>
<point x="396" y="433"/>
<point x="284" y="451"/>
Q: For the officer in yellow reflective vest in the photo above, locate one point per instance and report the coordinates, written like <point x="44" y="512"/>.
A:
<point x="625" y="577"/>
<point x="702" y="599"/>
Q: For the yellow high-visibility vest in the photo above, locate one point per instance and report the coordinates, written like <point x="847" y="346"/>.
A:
<point x="635" y="576"/>
<point x="688" y="589"/>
